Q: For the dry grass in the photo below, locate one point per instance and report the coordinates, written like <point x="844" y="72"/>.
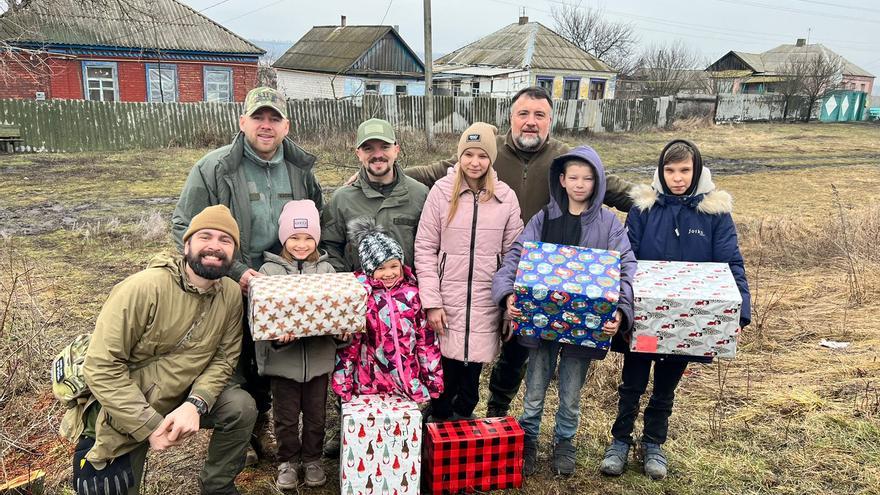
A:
<point x="793" y="418"/>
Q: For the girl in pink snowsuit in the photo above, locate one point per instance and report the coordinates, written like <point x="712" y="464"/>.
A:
<point x="398" y="354"/>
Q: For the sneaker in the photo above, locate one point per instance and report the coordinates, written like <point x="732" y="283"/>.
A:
<point x="564" y="458"/>
<point x="250" y="457"/>
<point x="655" y="460"/>
<point x="331" y="445"/>
<point x="615" y="458"/>
<point x="314" y="474"/>
<point x="263" y="438"/>
<point x="530" y="456"/>
<point x="287" y="478"/>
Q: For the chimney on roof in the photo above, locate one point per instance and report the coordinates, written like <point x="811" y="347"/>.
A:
<point x="342" y="21"/>
<point x="801" y="42"/>
<point x="523" y="19"/>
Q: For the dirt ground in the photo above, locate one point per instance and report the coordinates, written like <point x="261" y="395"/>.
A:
<point x="787" y="416"/>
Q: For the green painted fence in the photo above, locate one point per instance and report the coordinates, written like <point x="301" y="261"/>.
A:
<point x="843" y="106"/>
<point x="78" y="125"/>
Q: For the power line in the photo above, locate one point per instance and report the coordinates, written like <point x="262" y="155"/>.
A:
<point x="792" y="10"/>
<point x="386" y="12"/>
<point x="166" y="22"/>
<point x="252" y="11"/>
<point x="860" y="8"/>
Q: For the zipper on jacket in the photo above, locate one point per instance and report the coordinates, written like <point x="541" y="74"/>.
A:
<point x="467" y="316"/>
<point x="392" y="307"/>
<point x="305" y="350"/>
<point x="442" y="267"/>
<point x="497" y="262"/>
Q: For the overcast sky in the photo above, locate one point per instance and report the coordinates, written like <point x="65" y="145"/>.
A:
<point x="713" y="27"/>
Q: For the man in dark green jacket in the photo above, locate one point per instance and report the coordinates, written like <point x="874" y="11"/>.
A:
<point x="254" y="176"/>
<point x="524" y="157"/>
<point x="381" y="190"/>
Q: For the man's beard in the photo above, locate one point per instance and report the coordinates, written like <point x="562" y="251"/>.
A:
<point x="209" y="272"/>
<point x="528" y="143"/>
<point x="372" y="172"/>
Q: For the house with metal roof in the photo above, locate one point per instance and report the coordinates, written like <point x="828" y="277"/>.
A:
<point x="519" y="55"/>
<point x="759" y="73"/>
<point x="345" y="61"/>
<point x="137" y="50"/>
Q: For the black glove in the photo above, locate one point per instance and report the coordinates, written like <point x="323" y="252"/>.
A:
<point x="115" y="479"/>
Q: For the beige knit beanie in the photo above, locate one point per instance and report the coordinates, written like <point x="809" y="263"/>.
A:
<point x="216" y="217"/>
<point x="479" y="135"/>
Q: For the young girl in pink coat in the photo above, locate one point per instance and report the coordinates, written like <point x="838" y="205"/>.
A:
<point x="469" y="221"/>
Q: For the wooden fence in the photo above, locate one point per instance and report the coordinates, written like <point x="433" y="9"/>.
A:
<point x="78" y="125"/>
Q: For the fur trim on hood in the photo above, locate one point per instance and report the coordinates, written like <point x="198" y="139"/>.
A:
<point x="713" y="202"/>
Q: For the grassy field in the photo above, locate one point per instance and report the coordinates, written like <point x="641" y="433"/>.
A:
<point x="787" y="416"/>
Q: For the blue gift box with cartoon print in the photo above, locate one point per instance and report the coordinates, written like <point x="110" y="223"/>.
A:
<point x="566" y="293"/>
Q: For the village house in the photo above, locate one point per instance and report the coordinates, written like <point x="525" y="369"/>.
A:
<point x="759" y="73"/>
<point x="345" y="61"/>
<point x="137" y="50"/>
<point x="519" y="55"/>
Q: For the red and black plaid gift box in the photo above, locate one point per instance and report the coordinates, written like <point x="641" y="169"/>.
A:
<point x="475" y="454"/>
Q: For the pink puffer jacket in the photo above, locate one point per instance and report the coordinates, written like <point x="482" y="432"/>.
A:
<point x="456" y="263"/>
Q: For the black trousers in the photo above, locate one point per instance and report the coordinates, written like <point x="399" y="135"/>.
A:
<point x="636" y="372"/>
<point x="247" y="375"/>
<point x="507" y="375"/>
<point x="291" y="399"/>
<point x="461" y="389"/>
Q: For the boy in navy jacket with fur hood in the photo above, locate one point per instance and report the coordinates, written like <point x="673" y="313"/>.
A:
<point x="680" y="217"/>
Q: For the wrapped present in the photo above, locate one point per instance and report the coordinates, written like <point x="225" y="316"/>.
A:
<point x="381" y="446"/>
<point x="473" y="455"/>
<point x="566" y="293"/>
<point x="306" y="305"/>
<point x="685" y="308"/>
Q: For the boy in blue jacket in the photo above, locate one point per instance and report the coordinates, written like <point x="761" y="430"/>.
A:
<point x="680" y="217"/>
<point x="574" y="217"/>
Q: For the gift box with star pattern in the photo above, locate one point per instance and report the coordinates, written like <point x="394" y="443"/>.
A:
<point x="566" y="293"/>
<point x="306" y="305"/>
<point x="685" y="308"/>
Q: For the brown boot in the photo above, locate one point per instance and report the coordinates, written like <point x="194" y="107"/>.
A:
<point x="263" y="437"/>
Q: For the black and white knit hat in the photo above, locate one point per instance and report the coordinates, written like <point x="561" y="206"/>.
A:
<point x="375" y="246"/>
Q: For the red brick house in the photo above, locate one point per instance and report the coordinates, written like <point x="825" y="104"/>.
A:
<point x="127" y="50"/>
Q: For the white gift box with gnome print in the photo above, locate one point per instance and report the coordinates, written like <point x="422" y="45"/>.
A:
<point x="381" y="446"/>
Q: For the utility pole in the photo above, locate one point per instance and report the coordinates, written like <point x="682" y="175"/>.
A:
<point x="429" y="75"/>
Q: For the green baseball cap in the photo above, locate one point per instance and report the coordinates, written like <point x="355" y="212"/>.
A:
<point x="375" y="129"/>
<point x="262" y="97"/>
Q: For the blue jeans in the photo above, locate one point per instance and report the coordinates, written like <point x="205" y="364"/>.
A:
<point x="572" y="375"/>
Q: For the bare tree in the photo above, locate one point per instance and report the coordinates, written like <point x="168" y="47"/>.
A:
<point x="667" y="69"/>
<point x="610" y="42"/>
<point x="809" y="76"/>
<point x="266" y="75"/>
<point x="823" y="74"/>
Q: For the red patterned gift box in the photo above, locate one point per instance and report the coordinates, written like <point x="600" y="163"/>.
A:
<point x="306" y="305"/>
<point x="473" y="455"/>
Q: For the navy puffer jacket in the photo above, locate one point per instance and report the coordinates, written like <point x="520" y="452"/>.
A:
<point x="697" y="228"/>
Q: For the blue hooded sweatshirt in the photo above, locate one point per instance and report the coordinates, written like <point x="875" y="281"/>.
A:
<point x="600" y="229"/>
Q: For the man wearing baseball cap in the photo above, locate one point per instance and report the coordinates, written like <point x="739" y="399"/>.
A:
<point x="381" y="190"/>
<point x="255" y="175"/>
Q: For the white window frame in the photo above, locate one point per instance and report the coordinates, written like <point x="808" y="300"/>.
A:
<point x="85" y="74"/>
<point x="228" y="71"/>
<point x="166" y="96"/>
